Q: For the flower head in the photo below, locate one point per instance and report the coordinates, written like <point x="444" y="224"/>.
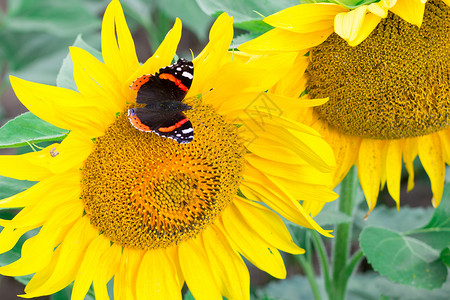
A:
<point x="113" y="201"/>
<point x="385" y="68"/>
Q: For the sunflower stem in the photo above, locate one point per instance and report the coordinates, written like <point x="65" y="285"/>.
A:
<point x="323" y="258"/>
<point x="343" y="236"/>
<point x="310" y="274"/>
<point x="3" y="83"/>
<point x="308" y="248"/>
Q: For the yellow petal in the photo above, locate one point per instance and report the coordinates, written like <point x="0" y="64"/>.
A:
<point x="38" y="250"/>
<point x="89" y="266"/>
<point x="345" y="149"/>
<point x="196" y="270"/>
<point x="31" y="196"/>
<point x="306" y="17"/>
<point x="163" y="56"/>
<point x="410" y="10"/>
<point x="71" y="153"/>
<point x="409" y="154"/>
<point x="252" y="247"/>
<point x="312" y="149"/>
<point x="118" y="49"/>
<point x="444" y="136"/>
<point x="291" y="84"/>
<point x="57" y="158"/>
<point x="228" y="267"/>
<point x="265" y="223"/>
<point x="369" y="170"/>
<point x="157" y="277"/>
<point x="257" y="186"/>
<point x="381" y="8"/>
<point x="68" y="261"/>
<point x="370" y="22"/>
<point x="259" y="118"/>
<point x="284" y="170"/>
<point x="277" y="40"/>
<point x="348" y="24"/>
<point x="125" y="279"/>
<point x="108" y="266"/>
<point x="315" y="193"/>
<point x="10" y="236"/>
<point x="394" y="168"/>
<point x="41" y="276"/>
<point x="251" y="77"/>
<point x="264" y="103"/>
<point x="213" y="56"/>
<point x="63" y="108"/>
<point x="36" y="215"/>
<point x="94" y="78"/>
<point x="275" y="153"/>
<point x="30" y="166"/>
<point x="432" y="159"/>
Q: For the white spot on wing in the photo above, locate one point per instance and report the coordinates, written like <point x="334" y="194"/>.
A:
<point x="187" y="74"/>
<point x="185" y="131"/>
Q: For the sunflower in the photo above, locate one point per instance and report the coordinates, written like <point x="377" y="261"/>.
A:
<point x="385" y="67"/>
<point x="115" y="202"/>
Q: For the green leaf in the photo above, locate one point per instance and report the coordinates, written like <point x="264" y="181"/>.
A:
<point x="403" y="259"/>
<point x="345" y="3"/>
<point x="244" y="10"/>
<point x="254" y="26"/>
<point x="10" y="186"/>
<point x="28" y="128"/>
<point x="445" y="256"/>
<point x="23" y="279"/>
<point x="371" y="286"/>
<point x="190" y="14"/>
<point x="140" y="11"/>
<point x="295" y="287"/>
<point x="66" y="293"/>
<point x="34" y="56"/>
<point x="60" y="18"/>
<point x="188" y="296"/>
<point x="332" y="218"/>
<point x="437" y="232"/>
<point x="65" y="74"/>
<point x="240" y="39"/>
<point x="14" y="253"/>
<point x="389" y="217"/>
<point x="35" y="35"/>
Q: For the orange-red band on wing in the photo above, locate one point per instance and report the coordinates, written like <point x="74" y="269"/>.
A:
<point x="136" y="85"/>
<point x="174" y="80"/>
<point x="173" y="127"/>
<point x="138" y="124"/>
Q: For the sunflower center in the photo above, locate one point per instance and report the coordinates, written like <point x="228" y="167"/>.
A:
<point x="395" y="84"/>
<point x="145" y="191"/>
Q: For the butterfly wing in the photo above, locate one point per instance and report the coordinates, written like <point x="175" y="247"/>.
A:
<point x="170" y="84"/>
<point x="162" y="93"/>
<point x="175" y="126"/>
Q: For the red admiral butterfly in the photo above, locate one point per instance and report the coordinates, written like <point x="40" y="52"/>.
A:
<point x="162" y="94"/>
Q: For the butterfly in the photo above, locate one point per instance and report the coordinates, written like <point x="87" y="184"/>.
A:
<point x="162" y="93"/>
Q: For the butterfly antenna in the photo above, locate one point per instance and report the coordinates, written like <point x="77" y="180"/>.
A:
<point x="193" y="108"/>
<point x="202" y="123"/>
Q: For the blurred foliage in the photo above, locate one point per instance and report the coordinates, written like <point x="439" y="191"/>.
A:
<point x="410" y="246"/>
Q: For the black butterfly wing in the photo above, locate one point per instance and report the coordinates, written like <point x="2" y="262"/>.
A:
<point x="173" y="125"/>
<point x="182" y="70"/>
<point x="169" y="84"/>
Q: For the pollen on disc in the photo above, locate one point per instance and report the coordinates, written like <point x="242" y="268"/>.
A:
<point x="144" y="191"/>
